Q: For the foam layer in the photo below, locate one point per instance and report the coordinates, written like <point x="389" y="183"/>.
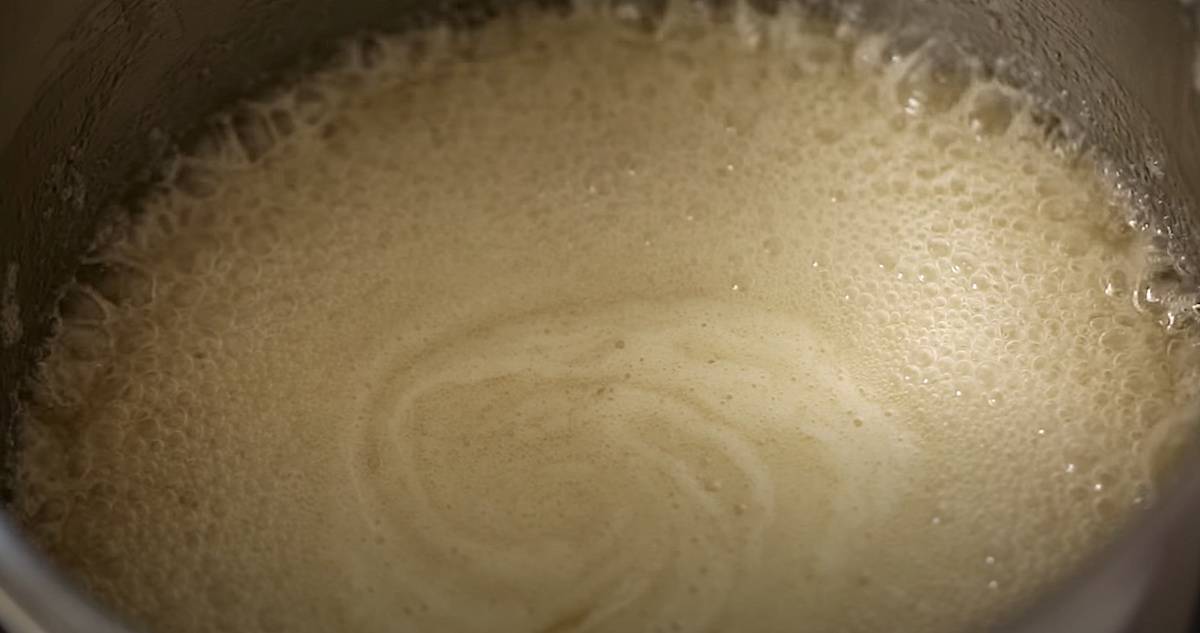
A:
<point x="570" y="326"/>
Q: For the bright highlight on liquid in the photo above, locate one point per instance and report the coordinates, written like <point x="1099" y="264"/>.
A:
<point x="566" y="326"/>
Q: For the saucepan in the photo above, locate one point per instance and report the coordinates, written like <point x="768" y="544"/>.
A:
<point x="94" y="92"/>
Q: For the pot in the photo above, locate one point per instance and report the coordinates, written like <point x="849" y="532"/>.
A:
<point x="92" y="92"/>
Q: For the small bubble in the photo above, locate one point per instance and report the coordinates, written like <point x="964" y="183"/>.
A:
<point x="991" y="113"/>
<point x="938" y="248"/>
<point x="1114" y="340"/>
<point x="931" y="85"/>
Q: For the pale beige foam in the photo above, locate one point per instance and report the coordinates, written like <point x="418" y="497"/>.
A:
<point x="716" y="328"/>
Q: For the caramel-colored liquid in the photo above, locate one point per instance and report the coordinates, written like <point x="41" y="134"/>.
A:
<point x="560" y="326"/>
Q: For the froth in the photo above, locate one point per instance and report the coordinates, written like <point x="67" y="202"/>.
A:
<point x="609" y="322"/>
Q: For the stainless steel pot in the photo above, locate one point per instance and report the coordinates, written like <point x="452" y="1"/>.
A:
<point x="93" y="91"/>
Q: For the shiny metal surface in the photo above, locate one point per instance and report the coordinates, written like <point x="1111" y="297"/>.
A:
<point x="92" y="91"/>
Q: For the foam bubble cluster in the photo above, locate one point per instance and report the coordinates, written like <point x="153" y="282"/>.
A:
<point x="609" y="322"/>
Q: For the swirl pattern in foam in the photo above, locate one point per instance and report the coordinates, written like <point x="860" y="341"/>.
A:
<point x="661" y="448"/>
<point x="572" y="324"/>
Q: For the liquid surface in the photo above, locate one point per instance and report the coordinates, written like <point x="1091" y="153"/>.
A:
<point x="564" y="326"/>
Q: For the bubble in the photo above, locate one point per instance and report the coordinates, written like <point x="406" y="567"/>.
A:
<point x="931" y="84"/>
<point x="992" y="111"/>
<point x="1116" y="284"/>
<point x="253" y="133"/>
